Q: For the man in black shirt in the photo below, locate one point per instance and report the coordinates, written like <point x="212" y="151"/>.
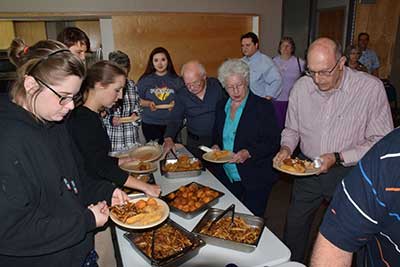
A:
<point x="196" y="103"/>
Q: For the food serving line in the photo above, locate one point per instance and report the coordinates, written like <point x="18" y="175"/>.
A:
<point x="270" y="250"/>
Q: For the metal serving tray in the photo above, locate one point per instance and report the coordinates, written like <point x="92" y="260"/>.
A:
<point x="192" y="214"/>
<point x="180" y="174"/>
<point x="176" y="259"/>
<point x="212" y="213"/>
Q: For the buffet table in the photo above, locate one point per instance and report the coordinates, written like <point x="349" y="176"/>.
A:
<point x="270" y="250"/>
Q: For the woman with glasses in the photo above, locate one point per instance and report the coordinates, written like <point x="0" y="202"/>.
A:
<point x="291" y="68"/>
<point x="48" y="205"/>
<point x="157" y="88"/>
<point x="245" y="125"/>
<point x="353" y="55"/>
<point x="101" y="89"/>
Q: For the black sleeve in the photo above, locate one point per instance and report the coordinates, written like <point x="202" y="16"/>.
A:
<point x="268" y="138"/>
<point x="27" y="227"/>
<point x="93" y="144"/>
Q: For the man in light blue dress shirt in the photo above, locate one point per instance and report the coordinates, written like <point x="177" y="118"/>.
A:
<point x="368" y="56"/>
<point x="265" y="78"/>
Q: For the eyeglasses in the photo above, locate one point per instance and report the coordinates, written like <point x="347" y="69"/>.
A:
<point x="235" y="86"/>
<point x="322" y="73"/>
<point x="64" y="100"/>
<point x="194" y="84"/>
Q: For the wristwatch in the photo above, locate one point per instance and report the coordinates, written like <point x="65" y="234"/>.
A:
<point x="337" y="158"/>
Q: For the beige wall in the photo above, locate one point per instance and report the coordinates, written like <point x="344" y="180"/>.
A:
<point x="380" y="20"/>
<point x="270" y="11"/>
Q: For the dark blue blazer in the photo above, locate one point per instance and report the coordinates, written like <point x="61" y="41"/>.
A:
<point x="258" y="133"/>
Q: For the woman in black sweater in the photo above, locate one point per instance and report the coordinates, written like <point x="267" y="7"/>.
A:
<point x="102" y="88"/>
<point x="48" y="205"/>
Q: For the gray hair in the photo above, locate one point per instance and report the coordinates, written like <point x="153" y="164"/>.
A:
<point x="233" y="67"/>
<point x="202" y="70"/>
<point x="120" y="58"/>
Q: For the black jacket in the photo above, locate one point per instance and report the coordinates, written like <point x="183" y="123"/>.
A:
<point x="258" y="133"/>
<point x="42" y="222"/>
<point x="90" y="136"/>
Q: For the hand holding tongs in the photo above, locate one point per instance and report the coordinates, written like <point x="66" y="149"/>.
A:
<point x="219" y="217"/>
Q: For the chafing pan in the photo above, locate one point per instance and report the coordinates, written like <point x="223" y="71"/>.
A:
<point x="191" y="214"/>
<point x="251" y="220"/>
<point x="176" y="259"/>
<point x="180" y="174"/>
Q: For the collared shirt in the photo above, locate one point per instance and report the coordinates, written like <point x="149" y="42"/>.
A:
<point x="265" y="78"/>
<point x="369" y="59"/>
<point x="125" y="135"/>
<point x="199" y="113"/>
<point x="349" y="119"/>
<point x="228" y="137"/>
<point x="365" y="209"/>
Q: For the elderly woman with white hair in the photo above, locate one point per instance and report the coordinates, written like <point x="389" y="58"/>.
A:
<point x="246" y="125"/>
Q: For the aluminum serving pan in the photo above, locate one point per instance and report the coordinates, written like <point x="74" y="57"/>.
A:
<point x="180" y="174"/>
<point x="212" y="213"/>
<point x="194" y="213"/>
<point x="176" y="259"/>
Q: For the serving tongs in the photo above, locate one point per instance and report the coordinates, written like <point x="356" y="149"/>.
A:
<point x="219" y="217"/>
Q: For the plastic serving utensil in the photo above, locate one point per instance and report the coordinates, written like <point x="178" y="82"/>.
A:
<point x="205" y="149"/>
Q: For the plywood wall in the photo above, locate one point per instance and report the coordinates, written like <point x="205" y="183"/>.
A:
<point x="206" y="37"/>
<point x="7" y="34"/>
<point x="380" y="21"/>
<point x="30" y="31"/>
<point x="92" y="29"/>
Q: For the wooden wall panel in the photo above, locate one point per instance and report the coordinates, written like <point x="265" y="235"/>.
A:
<point x="30" y="31"/>
<point x="208" y="38"/>
<point x="380" y="21"/>
<point x="92" y="29"/>
<point x="6" y="33"/>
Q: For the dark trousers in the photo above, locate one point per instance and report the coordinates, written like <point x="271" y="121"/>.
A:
<point x="307" y="196"/>
<point x="154" y="132"/>
<point x="255" y="199"/>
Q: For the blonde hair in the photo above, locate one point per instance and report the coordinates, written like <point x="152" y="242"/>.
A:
<point x="47" y="60"/>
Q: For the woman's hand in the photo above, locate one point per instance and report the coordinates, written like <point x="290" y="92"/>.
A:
<point x="152" y="106"/>
<point x="215" y="147"/>
<point x="283" y="154"/>
<point x="153" y="190"/>
<point x="100" y="212"/>
<point x="119" y="197"/>
<point x="115" y="121"/>
<point x="241" y="156"/>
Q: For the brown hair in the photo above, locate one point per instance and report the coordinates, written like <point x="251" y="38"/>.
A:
<point x="47" y="60"/>
<point x="73" y="35"/>
<point x="290" y="41"/>
<point x="150" y="67"/>
<point x="103" y="72"/>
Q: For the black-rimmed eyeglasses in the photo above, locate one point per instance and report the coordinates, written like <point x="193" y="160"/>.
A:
<point x="64" y="100"/>
<point x="322" y="73"/>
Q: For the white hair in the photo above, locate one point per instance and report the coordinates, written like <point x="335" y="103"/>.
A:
<point x="233" y="67"/>
<point x="200" y="67"/>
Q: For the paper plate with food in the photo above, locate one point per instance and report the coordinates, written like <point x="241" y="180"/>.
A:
<point x="297" y="167"/>
<point x="140" y="213"/>
<point x="147" y="153"/>
<point x="218" y="156"/>
<point x="139" y="167"/>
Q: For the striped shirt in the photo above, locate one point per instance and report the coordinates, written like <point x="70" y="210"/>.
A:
<point x="365" y="209"/>
<point x="349" y="119"/>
